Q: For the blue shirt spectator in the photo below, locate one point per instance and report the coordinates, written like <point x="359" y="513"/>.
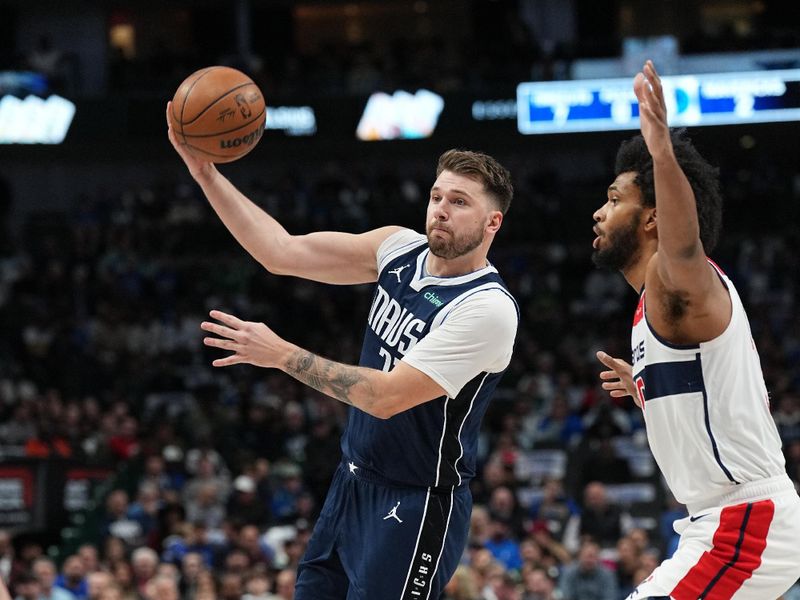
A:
<point x="588" y="579"/>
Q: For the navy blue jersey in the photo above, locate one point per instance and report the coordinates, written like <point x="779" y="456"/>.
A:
<point x="435" y="443"/>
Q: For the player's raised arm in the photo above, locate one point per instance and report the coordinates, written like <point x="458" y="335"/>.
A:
<point x="329" y="257"/>
<point x="691" y="291"/>
<point x="682" y="264"/>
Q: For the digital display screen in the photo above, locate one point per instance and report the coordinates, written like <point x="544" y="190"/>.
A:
<point x="692" y="100"/>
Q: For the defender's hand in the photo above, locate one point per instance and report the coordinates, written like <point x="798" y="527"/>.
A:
<point x="618" y="380"/>
<point x="652" y="111"/>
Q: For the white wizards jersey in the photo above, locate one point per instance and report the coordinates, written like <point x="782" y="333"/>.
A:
<point x="706" y="408"/>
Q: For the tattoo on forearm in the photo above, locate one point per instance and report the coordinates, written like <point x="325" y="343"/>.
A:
<point x="329" y="377"/>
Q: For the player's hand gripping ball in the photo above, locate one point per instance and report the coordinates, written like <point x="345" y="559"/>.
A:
<point x="219" y="113"/>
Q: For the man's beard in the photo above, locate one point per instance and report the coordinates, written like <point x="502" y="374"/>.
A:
<point x="454" y="246"/>
<point x="622" y="247"/>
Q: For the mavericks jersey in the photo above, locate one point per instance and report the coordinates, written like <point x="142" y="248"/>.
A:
<point x="706" y="407"/>
<point x="457" y="330"/>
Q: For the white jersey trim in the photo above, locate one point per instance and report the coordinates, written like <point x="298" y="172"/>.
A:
<point x="396" y="244"/>
<point x="416" y="545"/>
<point x="476" y="335"/>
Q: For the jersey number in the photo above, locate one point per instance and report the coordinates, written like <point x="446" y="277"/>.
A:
<point x="640" y="391"/>
<point x="389" y="361"/>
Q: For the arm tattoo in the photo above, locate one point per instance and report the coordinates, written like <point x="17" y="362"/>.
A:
<point x="331" y="378"/>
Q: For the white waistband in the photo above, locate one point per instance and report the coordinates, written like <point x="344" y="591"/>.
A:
<point x="746" y="492"/>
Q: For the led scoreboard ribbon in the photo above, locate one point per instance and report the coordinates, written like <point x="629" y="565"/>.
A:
<point x="692" y="100"/>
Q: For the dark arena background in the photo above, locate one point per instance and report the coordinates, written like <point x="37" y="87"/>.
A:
<point x="127" y="461"/>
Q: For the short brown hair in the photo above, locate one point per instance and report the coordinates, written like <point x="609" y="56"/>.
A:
<point x="476" y="165"/>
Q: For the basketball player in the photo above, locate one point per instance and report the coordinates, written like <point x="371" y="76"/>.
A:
<point x="439" y="335"/>
<point x="695" y="371"/>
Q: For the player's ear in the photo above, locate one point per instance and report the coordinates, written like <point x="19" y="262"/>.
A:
<point x="649" y="219"/>
<point x="495" y="220"/>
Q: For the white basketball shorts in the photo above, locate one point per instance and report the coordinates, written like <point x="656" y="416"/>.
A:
<point x="749" y="550"/>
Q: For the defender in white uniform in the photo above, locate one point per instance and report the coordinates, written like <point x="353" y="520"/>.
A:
<point x="695" y="372"/>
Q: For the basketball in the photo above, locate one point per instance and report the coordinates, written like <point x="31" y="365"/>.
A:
<point x="219" y="113"/>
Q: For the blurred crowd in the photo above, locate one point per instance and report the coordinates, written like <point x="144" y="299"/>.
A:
<point x="490" y="46"/>
<point x="101" y="362"/>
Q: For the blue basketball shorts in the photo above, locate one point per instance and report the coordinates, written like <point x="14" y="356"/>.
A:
<point x="379" y="541"/>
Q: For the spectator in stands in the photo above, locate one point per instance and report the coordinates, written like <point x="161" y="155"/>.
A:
<point x="669" y="537"/>
<point x="462" y="586"/>
<point x="162" y="587"/>
<point x="532" y="554"/>
<point x="206" y="586"/>
<point x="600" y="520"/>
<point x="144" y="562"/>
<point x="649" y="560"/>
<point x="27" y="587"/>
<point x="538" y="585"/>
<point x="155" y="473"/>
<point x="244" y="505"/>
<point x="495" y="474"/>
<point x="559" y="427"/>
<point x="146" y="508"/>
<point x="503" y="504"/>
<point x="552" y="551"/>
<point x="235" y="560"/>
<point x="125" y="443"/>
<point x="479" y="530"/>
<point x="604" y="465"/>
<point x="205" y="507"/>
<point x="28" y="551"/>
<point x="97" y="582"/>
<point x="231" y="586"/>
<point x="45" y="572"/>
<point x="606" y="420"/>
<point x="640" y="537"/>
<point x="123" y="580"/>
<point x="116" y="521"/>
<point x="588" y="579"/>
<point x="192" y="565"/>
<point x="628" y="562"/>
<point x="204" y="471"/>
<point x="481" y="562"/>
<point x="502" y="544"/>
<point x="787" y="417"/>
<point x="73" y="577"/>
<point x="89" y="556"/>
<point x="261" y="472"/>
<point x="287" y="492"/>
<point x="173" y="467"/>
<point x="205" y="452"/>
<point x="295" y="548"/>
<point x="249" y="541"/>
<point x="257" y="586"/>
<point x="6" y="555"/>
<point x="114" y="592"/>
<point x="114" y="551"/>
<point x="554" y="508"/>
<point x="284" y="584"/>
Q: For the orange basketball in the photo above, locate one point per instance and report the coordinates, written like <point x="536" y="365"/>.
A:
<point x="219" y="113"/>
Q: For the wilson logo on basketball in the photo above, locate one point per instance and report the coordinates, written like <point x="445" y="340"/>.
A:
<point x="245" y="140"/>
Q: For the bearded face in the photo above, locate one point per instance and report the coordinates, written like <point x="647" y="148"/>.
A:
<point x="619" y="248"/>
<point x="445" y="243"/>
